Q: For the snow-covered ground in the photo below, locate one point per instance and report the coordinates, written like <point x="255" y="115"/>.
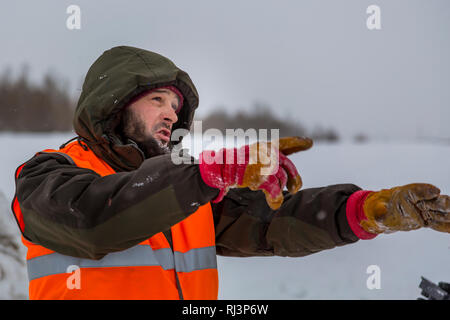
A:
<point x="340" y="273"/>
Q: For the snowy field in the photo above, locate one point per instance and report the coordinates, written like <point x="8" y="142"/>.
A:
<point x="339" y="273"/>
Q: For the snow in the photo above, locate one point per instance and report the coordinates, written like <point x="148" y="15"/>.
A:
<point x="339" y="273"/>
<point x="13" y="281"/>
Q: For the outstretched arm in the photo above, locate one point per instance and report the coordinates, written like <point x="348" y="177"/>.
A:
<point x="309" y="221"/>
<point x="316" y="219"/>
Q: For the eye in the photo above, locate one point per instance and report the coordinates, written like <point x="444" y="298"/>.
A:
<point x="156" y="98"/>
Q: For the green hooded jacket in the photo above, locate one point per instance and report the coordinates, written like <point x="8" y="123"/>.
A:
<point x="64" y="206"/>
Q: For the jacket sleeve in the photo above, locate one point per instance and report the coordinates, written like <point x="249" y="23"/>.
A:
<point x="310" y="221"/>
<point x="76" y="212"/>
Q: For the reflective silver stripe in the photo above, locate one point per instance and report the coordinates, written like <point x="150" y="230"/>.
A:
<point x="140" y="255"/>
<point x="196" y="259"/>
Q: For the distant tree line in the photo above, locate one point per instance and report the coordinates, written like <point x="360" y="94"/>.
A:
<point x="47" y="106"/>
<point x="262" y="117"/>
<point x="42" y="107"/>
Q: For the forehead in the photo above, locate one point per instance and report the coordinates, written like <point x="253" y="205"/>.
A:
<point x="167" y="91"/>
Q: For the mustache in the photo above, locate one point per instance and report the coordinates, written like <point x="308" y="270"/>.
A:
<point x="162" y="125"/>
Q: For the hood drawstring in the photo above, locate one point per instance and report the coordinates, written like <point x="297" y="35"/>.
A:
<point x="67" y="142"/>
<point x="79" y="139"/>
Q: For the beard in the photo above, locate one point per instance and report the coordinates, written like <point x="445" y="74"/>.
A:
<point x="132" y="128"/>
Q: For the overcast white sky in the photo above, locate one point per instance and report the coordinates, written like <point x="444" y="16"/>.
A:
<point x="311" y="61"/>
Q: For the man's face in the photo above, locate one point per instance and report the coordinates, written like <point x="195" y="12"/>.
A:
<point x="150" y="118"/>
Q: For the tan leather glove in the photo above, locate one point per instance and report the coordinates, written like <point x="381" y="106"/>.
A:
<point x="285" y="174"/>
<point x="405" y="208"/>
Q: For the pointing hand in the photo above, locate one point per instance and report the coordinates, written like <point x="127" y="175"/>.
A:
<point x="258" y="166"/>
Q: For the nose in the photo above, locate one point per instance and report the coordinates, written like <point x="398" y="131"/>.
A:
<point x="169" y="114"/>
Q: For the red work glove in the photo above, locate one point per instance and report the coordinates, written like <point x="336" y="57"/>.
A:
<point x="259" y="166"/>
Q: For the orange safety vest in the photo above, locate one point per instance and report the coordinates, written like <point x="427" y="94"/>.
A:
<point x="150" y="270"/>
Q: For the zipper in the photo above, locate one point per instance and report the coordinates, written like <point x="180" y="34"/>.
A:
<point x="168" y="236"/>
